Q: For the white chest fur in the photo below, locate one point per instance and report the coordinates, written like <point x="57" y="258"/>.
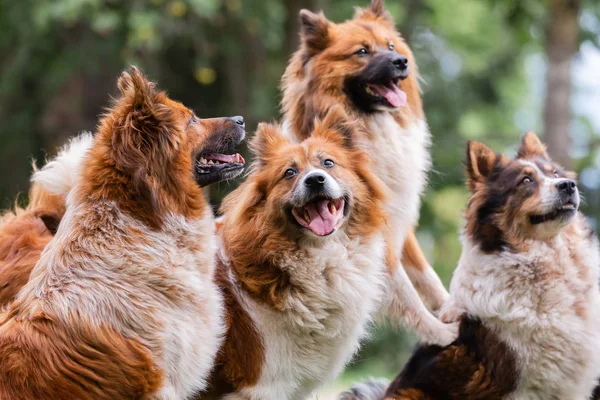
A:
<point x="337" y="293"/>
<point x="546" y="306"/>
<point x="401" y="159"/>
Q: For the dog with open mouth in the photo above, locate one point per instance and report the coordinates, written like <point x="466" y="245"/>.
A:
<point x="365" y="66"/>
<point x="122" y="303"/>
<point x="525" y="290"/>
<point x="301" y="263"/>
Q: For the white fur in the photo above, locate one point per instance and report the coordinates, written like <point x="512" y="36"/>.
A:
<point x="532" y="301"/>
<point x="338" y="288"/>
<point x="401" y="159"/>
<point x="125" y="275"/>
<point x="60" y="175"/>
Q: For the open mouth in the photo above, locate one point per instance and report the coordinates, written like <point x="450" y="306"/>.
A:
<point x="321" y="215"/>
<point x="566" y="210"/>
<point x="388" y="93"/>
<point x="214" y="167"/>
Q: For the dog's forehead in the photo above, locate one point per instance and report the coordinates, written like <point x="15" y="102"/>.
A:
<point x="177" y="106"/>
<point x="357" y="30"/>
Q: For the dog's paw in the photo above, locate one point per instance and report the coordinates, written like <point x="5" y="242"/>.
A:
<point x="443" y="335"/>
<point x="372" y="389"/>
<point x="450" y="313"/>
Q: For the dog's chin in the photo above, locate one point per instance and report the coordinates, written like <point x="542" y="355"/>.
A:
<point x="215" y="167"/>
<point x="370" y="96"/>
<point x="321" y="216"/>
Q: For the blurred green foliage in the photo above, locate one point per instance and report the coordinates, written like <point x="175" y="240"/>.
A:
<point x="59" y="60"/>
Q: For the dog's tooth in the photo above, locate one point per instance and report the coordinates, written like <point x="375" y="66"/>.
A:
<point x="332" y="207"/>
<point x="202" y="160"/>
<point x="307" y="215"/>
<point x="210" y="162"/>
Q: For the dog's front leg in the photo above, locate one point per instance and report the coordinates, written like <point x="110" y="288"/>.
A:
<point x="402" y="304"/>
<point x="422" y="275"/>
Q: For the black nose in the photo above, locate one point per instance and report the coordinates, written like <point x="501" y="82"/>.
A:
<point x="568" y="186"/>
<point x="400" y="62"/>
<point x="238" y="120"/>
<point x="315" y="180"/>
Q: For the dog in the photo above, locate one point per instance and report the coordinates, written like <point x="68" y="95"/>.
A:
<point x="526" y="289"/>
<point x="24" y="233"/>
<point x="122" y="303"/>
<point x="301" y="263"/>
<point x="366" y="67"/>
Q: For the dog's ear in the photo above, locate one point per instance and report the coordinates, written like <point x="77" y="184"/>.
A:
<point x="267" y="140"/>
<point x="144" y="129"/>
<point x="480" y="163"/>
<point x="375" y="11"/>
<point x="314" y="31"/>
<point x="531" y="146"/>
<point x="336" y="126"/>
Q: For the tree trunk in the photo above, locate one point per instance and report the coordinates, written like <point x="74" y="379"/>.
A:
<point x="562" y="42"/>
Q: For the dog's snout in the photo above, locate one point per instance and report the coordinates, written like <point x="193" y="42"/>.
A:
<point x="400" y="62"/>
<point x="316" y="180"/>
<point x="567" y="186"/>
<point x="238" y="119"/>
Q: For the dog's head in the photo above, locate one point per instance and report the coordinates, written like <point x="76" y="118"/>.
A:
<point x="363" y="62"/>
<point x="312" y="189"/>
<point x="529" y="197"/>
<point x="155" y="153"/>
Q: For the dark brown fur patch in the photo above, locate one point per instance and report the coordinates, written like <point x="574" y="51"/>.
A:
<point x="240" y="359"/>
<point x="476" y="366"/>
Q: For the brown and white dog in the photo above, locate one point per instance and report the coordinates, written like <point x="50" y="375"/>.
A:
<point x="122" y="303"/>
<point x="24" y="233"/>
<point x="302" y="263"/>
<point x="366" y="67"/>
<point x="526" y="290"/>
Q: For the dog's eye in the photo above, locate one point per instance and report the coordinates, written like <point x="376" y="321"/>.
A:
<point x="193" y="120"/>
<point x="328" y="163"/>
<point x="526" y="181"/>
<point x="290" y="173"/>
<point x="556" y="174"/>
<point x="392" y="47"/>
<point x="362" y="51"/>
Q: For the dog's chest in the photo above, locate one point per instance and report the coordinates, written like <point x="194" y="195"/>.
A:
<point x="401" y="159"/>
<point x="329" y="314"/>
<point x="546" y="307"/>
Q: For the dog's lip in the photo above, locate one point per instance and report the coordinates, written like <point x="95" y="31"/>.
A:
<point x="568" y="207"/>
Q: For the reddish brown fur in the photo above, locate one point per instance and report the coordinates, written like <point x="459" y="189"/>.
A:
<point x="256" y="234"/>
<point x="23" y="236"/>
<point x="241" y="357"/>
<point x="79" y="362"/>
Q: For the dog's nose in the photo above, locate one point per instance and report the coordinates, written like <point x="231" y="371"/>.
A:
<point x="316" y="180"/>
<point x="400" y="62"/>
<point x="566" y="185"/>
<point x="239" y="120"/>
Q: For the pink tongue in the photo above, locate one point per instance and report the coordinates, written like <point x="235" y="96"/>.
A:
<point x="322" y="222"/>
<point x="392" y="93"/>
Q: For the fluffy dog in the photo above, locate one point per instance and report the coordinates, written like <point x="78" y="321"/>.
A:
<point x="526" y="289"/>
<point x="122" y="304"/>
<point x="24" y="233"/>
<point x="364" y="65"/>
<point x="302" y="263"/>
